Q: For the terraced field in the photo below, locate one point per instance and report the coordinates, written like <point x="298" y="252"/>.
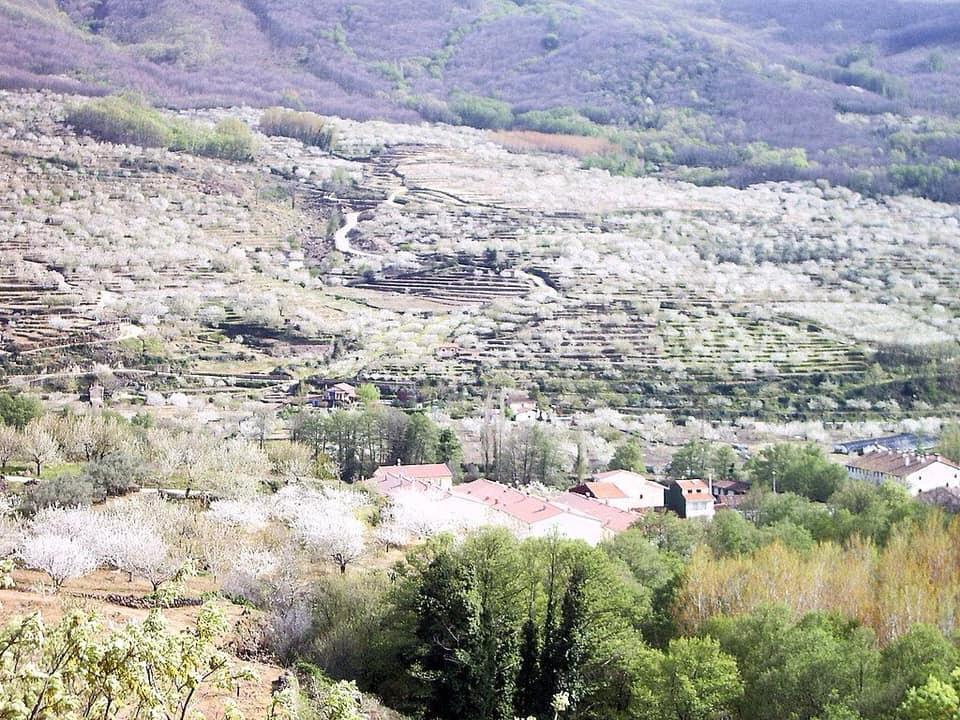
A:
<point x="601" y="290"/>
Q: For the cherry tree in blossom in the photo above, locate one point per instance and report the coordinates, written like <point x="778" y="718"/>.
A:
<point x="62" y="558"/>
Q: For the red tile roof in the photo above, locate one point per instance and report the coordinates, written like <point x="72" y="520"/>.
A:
<point x="531" y="510"/>
<point x="608" y="474"/>
<point x="605" y="490"/>
<point x="895" y="463"/>
<point x="611" y="517"/>
<point x="490" y="492"/>
<point x="697" y="486"/>
<point x="516" y="504"/>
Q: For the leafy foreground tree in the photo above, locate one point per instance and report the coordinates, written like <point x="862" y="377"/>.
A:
<point x="495" y="628"/>
<point x="79" y="669"/>
<point x="934" y="700"/>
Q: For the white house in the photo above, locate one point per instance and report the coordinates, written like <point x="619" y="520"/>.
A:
<point x="690" y="499"/>
<point x="522" y="407"/>
<point x="625" y="490"/>
<point x="918" y="473"/>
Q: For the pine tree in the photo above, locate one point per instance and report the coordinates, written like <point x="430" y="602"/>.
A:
<point x="564" y="653"/>
<point x="449" y="450"/>
<point x="447" y="633"/>
<point x="528" y="674"/>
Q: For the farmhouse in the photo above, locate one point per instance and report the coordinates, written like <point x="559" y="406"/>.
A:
<point x="623" y="489"/>
<point x="916" y="472"/>
<point x="340" y="395"/>
<point x="522" y="408"/>
<point x="484" y="502"/>
<point x="436" y="475"/>
<point x="690" y="499"/>
<point x="447" y="351"/>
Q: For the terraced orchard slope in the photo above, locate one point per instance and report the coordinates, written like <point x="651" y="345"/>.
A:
<point x="432" y="255"/>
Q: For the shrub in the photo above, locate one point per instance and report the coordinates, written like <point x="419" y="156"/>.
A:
<point x="121" y="119"/>
<point x="557" y="120"/>
<point x="482" y="112"/>
<point x="307" y="127"/>
<point x="231" y="140"/>
<point x="127" y="119"/>
<point x="431" y="109"/>
<point x="64" y="492"/>
<point x="116" y="474"/>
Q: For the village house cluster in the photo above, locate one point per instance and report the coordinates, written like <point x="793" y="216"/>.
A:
<point x="591" y="511"/>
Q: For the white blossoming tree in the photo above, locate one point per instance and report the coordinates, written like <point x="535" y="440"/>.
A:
<point x="62" y="558"/>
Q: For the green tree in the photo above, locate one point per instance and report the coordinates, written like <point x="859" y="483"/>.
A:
<point x="934" y="700"/>
<point x="797" y="669"/>
<point x="81" y="669"/>
<point x="526" y="700"/>
<point x="658" y="573"/>
<point x="628" y="456"/>
<point x="447" y="627"/>
<point x="669" y="533"/>
<point x="861" y="508"/>
<point x="561" y="662"/>
<point x="698" y="681"/>
<point x="467" y="629"/>
<point x="799" y="468"/>
<point x="420" y="440"/>
<point x="492" y="627"/>
<point x="368" y="394"/>
<point x="449" y="450"/>
<point x="949" y="445"/>
<point x="700" y="459"/>
<point x="19" y="409"/>
<point x="731" y="533"/>
<point x="922" y="653"/>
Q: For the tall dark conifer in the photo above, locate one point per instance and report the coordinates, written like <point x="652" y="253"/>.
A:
<point x="565" y="652"/>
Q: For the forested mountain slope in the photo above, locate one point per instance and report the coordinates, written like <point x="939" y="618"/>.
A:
<point x="863" y="93"/>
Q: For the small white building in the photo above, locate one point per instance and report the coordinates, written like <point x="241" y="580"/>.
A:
<point x="521" y="407"/>
<point x="626" y="490"/>
<point x="690" y="499"/>
<point x="916" y="472"/>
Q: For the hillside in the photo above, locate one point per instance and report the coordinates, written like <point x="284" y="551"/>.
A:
<point x="441" y="262"/>
<point x="865" y="94"/>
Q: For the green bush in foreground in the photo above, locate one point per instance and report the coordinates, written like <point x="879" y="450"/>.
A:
<point x="126" y="119"/>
